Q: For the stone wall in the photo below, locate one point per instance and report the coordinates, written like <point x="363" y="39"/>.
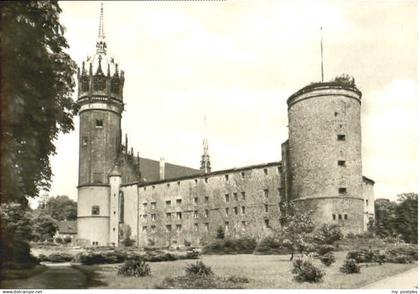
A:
<point x="244" y="202"/>
<point x="369" y="201"/>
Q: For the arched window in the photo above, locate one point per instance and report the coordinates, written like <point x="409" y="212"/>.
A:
<point x="121" y="207"/>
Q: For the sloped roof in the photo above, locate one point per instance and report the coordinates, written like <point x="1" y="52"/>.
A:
<point x="67" y="227"/>
<point x="150" y="170"/>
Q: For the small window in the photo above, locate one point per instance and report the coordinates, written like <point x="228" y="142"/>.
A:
<point x="153" y="187"/>
<point x="95" y="210"/>
<point x="206" y="226"/>
<point x="84" y="141"/>
<point x="168" y="185"/>
<point x="168" y="203"/>
<point x="179" y="215"/>
<point x="342" y="190"/>
<point x="227" y="197"/>
<point x="243" y="209"/>
<point x="206" y="213"/>
<point x="266" y="171"/>
<point x="168" y="215"/>
<point x="206" y="180"/>
<point x="235" y="196"/>
<point x="144" y="228"/>
<point x="341" y="137"/>
<point x="168" y="228"/>
<point x="227" y="177"/>
<point x="196" y="181"/>
<point x="195" y="213"/>
<point x="341" y="163"/>
<point x="266" y="193"/>
<point x="226" y="225"/>
<point x="153" y="205"/>
<point x="345" y="216"/>
<point x="196" y="227"/>
<point x="113" y="229"/>
<point x="206" y="199"/>
<point x="145" y="216"/>
<point x="333" y="216"/>
<point x="243" y="224"/>
<point x="243" y="195"/>
<point x="144" y="205"/>
<point x="178" y="228"/>
<point x="178" y="183"/>
<point x="144" y="188"/>
<point x="153" y="216"/>
<point x="99" y="123"/>
<point x="235" y="210"/>
<point x="265" y="207"/>
<point x="335" y="113"/>
<point x="195" y="200"/>
<point x="242" y="174"/>
<point x="178" y="201"/>
<point x="153" y="228"/>
<point x="267" y="223"/>
<point x="227" y="211"/>
<point x="339" y="216"/>
<point x="367" y="202"/>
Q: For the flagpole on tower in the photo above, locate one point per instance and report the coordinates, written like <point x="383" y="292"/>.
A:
<point x="322" y="59"/>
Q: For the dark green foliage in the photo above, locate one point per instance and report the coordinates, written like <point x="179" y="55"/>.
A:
<point x="90" y="258"/>
<point x="305" y="271"/>
<point x="402" y="254"/>
<point x="361" y="255"/>
<point x="44" y="226"/>
<point x="37" y="85"/>
<point x="230" y="246"/>
<point x="350" y="266"/>
<point x="58" y="257"/>
<point x="271" y="245"/>
<point x="15" y="233"/>
<point x="397" y="220"/>
<point x="60" y="208"/>
<point x="198" y="269"/>
<point x="327" y="258"/>
<point x="127" y="242"/>
<point x="323" y="249"/>
<point x="327" y="234"/>
<point x="220" y="233"/>
<point x="135" y="267"/>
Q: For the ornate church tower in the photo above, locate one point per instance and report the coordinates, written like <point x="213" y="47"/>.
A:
<point x="205" y="166"/>
<point x="100" y="101"/>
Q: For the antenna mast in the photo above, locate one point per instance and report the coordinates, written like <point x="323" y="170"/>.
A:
<point x="322" y="59"/>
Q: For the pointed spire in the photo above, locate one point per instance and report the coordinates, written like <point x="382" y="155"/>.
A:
<point x="205" y="158"/>
<point x="100" y="42"/>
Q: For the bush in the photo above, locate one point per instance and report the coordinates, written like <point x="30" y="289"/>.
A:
<point x="323" y="249"/>
<point x="327" y="258"/>
<point x="59" y="240"/>
<point x="193" y="281"/>
<point x="411" y="251"/>
<point x="134" y="268"/>
<point x="67" y="240"/>
<point x="43" y="257"/>
<point x="90" y="258"/>
<point x="362" y="255"/>
<point x="220" y="233"/>
<point x="199" y="269"/>
<point x="59" y="257"/>
<point x="327" y="234"/>
<point x="271" y="245"/>
<point x="350" y="266"/>
<point x="231" y="246"/>
<point x="305" y="271"/>
<point x="127" y="242"/>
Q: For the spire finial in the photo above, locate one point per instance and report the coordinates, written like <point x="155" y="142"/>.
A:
<point x="100" y="43"/>
<point x="322" y="59"/>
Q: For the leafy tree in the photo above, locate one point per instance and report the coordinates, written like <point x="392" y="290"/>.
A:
<point x="37" y="83"/>
<point x="297" y="227"/>
<point x="406" y="221"/>
<point x="384" y="224"/>
<point x="45" y="226"/>
<point x="327" y="234"/>
<point x="61" y="208"/>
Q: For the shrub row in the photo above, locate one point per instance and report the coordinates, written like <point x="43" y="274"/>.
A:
<point x="231" y="246"/>
<point x="56" y="257"/>
<point x="110" y="257"/>
<point x="271" y="245"/>
<point x="399" y="254"/>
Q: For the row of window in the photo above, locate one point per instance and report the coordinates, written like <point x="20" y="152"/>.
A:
<point x="207" y="179"/>
<point x="339" y="216"/>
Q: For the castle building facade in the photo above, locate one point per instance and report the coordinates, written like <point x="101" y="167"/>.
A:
<point x="124" y="196"/>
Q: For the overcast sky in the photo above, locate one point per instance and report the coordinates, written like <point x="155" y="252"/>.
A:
<point x="237" y="62"/>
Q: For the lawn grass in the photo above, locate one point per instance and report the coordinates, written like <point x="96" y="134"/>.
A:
<point x="263" y="271"/>
<point x="17" y="274"/>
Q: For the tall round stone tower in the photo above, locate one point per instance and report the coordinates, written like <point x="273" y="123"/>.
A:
<point x="100" y="101"/>
<point x="325" y="164"/>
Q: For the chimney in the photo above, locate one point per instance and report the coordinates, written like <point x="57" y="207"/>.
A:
<point x="162" y="169"/>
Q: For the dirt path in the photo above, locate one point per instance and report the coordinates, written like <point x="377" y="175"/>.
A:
<point x="405" y="280"/>
<point x="61" y="276"/>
